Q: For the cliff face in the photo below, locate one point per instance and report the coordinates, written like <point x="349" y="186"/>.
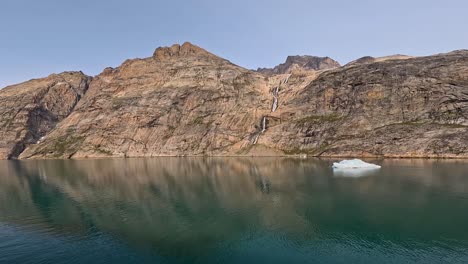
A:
<point x="398" y="108"/>
<point x="182" y="101"/>
<point x="28" y="111"/>
<point x="186" y="101"/>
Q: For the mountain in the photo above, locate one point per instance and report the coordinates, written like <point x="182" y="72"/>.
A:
<point x="302" y="63"/>
<point x="30" y="110"/>
<point x="182" y="101"/>
<point x="185" y="100"/>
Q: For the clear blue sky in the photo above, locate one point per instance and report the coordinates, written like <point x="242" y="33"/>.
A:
<point x="41" y="37"/>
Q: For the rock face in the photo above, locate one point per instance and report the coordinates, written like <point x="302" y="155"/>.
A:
<point x="370" y="59"/>
<point x="186" y="101"/>
<point x="182" y="101"/>
<point x="301" y="63"/>
<point x="28" y="111"/>
<point x="398" y="108"/>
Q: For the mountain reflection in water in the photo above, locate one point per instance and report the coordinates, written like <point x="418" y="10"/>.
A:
<point x="241" y="209"/>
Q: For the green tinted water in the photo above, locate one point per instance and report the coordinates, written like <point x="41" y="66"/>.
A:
<point x="232" y="210"/>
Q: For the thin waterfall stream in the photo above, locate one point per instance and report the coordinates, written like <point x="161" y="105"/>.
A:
<point x="274" y="107"/>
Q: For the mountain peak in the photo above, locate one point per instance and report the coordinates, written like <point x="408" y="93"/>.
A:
<point x="177" y="50"/>
<point x="304" y="62"/>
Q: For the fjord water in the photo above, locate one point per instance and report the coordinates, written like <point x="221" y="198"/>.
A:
<point x="232" y="210"/>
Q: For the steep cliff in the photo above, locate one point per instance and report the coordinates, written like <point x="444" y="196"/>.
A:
<point x="396" y="108"/>
<point x="182" y="101"/>
<point x="186" y="101"/>
<point x="28" y="111"/>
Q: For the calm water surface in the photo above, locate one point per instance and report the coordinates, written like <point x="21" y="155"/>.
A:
<point x="232" y="210"/>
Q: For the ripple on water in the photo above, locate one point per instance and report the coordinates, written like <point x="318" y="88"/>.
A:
<point x="224" y="211"/>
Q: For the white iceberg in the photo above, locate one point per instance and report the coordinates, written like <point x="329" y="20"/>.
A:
<point x="354" y="164"/>
<point x="354" y="168"/>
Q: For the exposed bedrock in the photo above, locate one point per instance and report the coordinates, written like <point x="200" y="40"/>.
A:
<point x="186" y="101"/>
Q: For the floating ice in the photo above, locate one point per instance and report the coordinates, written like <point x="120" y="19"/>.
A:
<point x="354" y="168"/>
<point x="354" y="164"/>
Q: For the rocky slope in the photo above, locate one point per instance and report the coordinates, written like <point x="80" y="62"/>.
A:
<point x="186" y="101"/>
<point x="398" y="108"/>
<point x="182" y="101"/>
<point x="28" y="111"/>
<point x="294" y="63"/>
<point x="370" y="59"/>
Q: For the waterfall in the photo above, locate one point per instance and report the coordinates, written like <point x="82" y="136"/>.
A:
<point x="257" y="135"/>
<point x="275" y="99"/>
<point x="256" y="139"/>
<point x="275" y="104"/>
<point x="274" y="107"/>
<point x="264" y="119"/>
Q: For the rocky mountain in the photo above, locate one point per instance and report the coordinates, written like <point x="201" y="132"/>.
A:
<point x="186" y="101"/>
<point x="182" y="101"/>
<point x="28" y="111"/>
<point x="396" y="108"/>
<point x="301" y="63"/>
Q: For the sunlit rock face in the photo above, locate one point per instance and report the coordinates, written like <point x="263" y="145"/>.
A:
<point x="185" y="100"/>
<point x="30" y="110"/>
<point x="182" y="101"/>
<point x="396" y="108"/>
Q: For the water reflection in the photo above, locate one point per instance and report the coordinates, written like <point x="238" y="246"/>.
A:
<point x="355" y="172"/>
<point x="194" y="205"/>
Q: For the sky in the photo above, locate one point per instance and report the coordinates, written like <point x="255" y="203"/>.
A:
<point x="38" y="38"/>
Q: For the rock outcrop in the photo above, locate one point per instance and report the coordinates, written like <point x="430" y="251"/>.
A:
<point x="370" y="59"/>
<point x="186" y="101"/>
<point x="182" y="101"/>
<point x="28" y="111"/>
<point x="302" y="63"/>
<point x="396" y="108"/>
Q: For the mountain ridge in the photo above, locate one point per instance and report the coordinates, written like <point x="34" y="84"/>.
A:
<point x="184" y="100"/>
<point x="301" y="62"/>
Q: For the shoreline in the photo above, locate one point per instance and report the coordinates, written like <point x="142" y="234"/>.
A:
<point x="387" y="157"/>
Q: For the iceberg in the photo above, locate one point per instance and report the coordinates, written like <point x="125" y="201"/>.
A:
<point x="354" y="168"/>
<point x="354" y="164"/>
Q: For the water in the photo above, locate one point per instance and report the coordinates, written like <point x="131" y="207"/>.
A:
<point x="232" y="210"/>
